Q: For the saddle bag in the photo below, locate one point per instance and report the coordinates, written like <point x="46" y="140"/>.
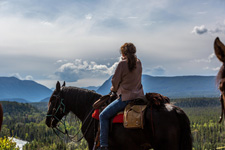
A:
<point x="134" y="116"/>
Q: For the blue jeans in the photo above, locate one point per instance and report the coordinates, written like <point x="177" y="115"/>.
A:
<point x="110" y="111"/>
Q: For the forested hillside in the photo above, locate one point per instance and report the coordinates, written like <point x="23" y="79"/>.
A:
<point x="27" y="122"/>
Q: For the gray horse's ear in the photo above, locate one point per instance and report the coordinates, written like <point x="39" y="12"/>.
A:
<point x="219" y="49"/>
<point x="58" y="86"/>
<point x="64" y="84"/>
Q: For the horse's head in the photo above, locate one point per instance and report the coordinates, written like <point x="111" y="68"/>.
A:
<point x="220" y="53"/>
<point x="56" y="107"/>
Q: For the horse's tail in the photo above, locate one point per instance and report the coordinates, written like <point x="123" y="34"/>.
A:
<point x="186" y="136"/>
<point x="1" y="116"/>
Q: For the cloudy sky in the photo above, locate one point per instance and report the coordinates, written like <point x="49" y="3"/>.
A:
<point x="78" y="40"/>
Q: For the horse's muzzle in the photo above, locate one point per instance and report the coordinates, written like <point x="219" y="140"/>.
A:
<point x="49" y="122"/>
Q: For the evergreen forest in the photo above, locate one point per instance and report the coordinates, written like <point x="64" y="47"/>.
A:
<point x="27" y="122"/>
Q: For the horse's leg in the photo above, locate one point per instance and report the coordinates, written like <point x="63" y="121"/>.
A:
<point x="90" y="145"/>
<point x="91" y="134"/>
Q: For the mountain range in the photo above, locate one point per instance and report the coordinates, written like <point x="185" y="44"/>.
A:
<point x="174" y="87"/>
<point x="13" y="89"/>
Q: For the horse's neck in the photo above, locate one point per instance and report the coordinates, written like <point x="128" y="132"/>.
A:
<point x="80" y="102"/>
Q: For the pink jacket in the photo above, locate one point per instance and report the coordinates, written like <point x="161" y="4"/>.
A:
<point x="126" y="83"/>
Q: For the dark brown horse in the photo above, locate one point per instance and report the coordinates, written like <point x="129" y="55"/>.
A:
<point x="1" y="116"/>
<point x="220" y="53"/>
<point x="166" y="128"/>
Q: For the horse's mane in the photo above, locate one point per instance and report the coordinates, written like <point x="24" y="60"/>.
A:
<point x="78" y="93"/>
<point x="79" y="100"/>
<point x="221" y="74"/>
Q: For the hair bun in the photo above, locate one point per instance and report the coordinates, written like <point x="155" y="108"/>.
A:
<point x="131" y="48"/>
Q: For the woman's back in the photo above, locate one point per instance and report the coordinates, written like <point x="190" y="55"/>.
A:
<point x="130" y="86"/>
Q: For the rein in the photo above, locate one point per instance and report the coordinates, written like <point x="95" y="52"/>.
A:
<point x="65" y="132"/>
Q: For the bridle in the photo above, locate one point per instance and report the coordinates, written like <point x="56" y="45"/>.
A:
<point x="222" y="106"/>
<point x="62" y="108"/>
<point x="55" y="111"/>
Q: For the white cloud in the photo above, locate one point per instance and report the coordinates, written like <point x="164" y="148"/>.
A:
<point x="218" y="28"/>
<point x="206" y="60"/>
<point x="157" y="70"/>
<point x="200" y="30"/>
<point x="46" y="23"/>
<point x="88" y="16"/>
<point x="208" y="64"/>
<point x="216" y="69"/>
<point x="80" y="69"/>
<point x="29" y="77"/>
<point x="206" y="68"/>
<point x="17" y="75"/>
<point x="61" y="61"/>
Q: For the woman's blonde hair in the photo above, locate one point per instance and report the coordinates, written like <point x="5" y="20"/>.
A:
<point x="129" y="50"/>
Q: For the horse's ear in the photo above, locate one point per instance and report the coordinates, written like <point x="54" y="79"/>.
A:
<point x="219" y="49"/>
<point x="64" y="84"/>
<point x="58" y="86"/>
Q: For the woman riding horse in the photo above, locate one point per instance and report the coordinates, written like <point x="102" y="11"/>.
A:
<point x="126" y="82"/>
<point x="166" y="127"/>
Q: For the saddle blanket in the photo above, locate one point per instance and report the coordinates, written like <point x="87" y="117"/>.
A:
<point x="117" y="119"/>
